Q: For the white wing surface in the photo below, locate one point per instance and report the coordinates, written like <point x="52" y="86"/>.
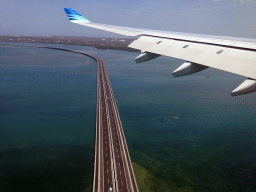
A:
<point x="229" y="54"/>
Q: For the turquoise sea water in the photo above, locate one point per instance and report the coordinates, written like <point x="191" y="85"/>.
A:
<point x="187" y="131"/>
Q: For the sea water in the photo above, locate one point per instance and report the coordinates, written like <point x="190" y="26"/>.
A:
<point x="188" y="133"/>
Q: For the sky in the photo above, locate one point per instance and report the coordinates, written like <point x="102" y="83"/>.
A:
<point x="235" y="18"/>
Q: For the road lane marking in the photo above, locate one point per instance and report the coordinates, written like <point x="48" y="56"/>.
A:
<point x="109" y="114"/>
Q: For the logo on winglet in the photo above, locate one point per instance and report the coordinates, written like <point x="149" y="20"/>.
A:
<point x="74" y="16"/>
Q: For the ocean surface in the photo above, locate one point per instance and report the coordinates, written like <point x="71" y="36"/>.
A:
<point x="186" y="133"/>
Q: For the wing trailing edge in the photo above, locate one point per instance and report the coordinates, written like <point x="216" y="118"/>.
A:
<point x="229" y="54"/>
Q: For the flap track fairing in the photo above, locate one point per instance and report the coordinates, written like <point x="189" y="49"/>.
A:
<point x="146" y="56"/>
<point x="188" y="68"/>
<point x="248" y="86"/>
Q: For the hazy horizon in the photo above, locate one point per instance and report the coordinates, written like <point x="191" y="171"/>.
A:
<point x="47" y="18"/>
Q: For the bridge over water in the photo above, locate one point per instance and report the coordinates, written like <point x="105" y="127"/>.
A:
<point x="113" y="170"/>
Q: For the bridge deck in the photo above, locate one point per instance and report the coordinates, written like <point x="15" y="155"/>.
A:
<point x="112" y="164"/>
<point x="113" y="167"/>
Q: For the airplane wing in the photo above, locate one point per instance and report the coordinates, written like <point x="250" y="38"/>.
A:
<point x="229" y="54"/>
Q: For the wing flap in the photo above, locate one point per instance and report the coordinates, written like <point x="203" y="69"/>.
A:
<point x="238" y="61"/>
<point x="225" y="53"/>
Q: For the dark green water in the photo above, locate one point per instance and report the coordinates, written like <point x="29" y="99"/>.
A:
<point x="185" y="131"/>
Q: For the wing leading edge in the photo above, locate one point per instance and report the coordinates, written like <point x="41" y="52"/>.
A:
<point x="233" y="55"/>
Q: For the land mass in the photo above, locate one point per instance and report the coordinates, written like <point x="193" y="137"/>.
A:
<point x="99" y="43"/>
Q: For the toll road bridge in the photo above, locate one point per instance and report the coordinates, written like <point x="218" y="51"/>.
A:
<point x="112" y="167"/>
<point x="113" y="170"/>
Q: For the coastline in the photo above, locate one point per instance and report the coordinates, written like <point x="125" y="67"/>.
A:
<point x="98" y="43"/>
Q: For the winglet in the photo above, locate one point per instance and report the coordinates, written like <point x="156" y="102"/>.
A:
<point x="74" y="16"/>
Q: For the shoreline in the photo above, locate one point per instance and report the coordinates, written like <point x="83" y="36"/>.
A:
<point x="98" y="43"/>
<point x="96" y="46"/>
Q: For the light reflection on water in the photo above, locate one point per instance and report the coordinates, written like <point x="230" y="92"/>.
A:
<point x="189" y="128"/>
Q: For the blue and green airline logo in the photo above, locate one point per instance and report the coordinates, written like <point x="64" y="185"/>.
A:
<point x="74" y="16"/>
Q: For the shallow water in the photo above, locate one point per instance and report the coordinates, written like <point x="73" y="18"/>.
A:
<point x="186" y="131"/>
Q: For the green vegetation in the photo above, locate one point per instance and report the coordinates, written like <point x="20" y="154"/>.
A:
<point x="143" y="178"/>
<point x="188" y="174"/>
<point x="148" y="181"/>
